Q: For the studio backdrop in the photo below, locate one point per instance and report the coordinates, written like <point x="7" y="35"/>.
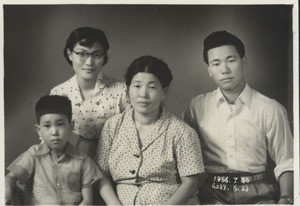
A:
<point x="35" y="35"/>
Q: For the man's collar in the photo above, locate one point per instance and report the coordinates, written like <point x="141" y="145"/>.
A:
<point x="244" y="97"/>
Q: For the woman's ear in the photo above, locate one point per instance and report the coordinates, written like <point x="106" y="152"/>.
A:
<point x="70" y="54"/>
<point x="244" y="60"/>
<point x="165" y="92"/>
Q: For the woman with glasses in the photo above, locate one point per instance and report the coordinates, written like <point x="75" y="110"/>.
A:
<point x="95" y="96"/>
<point x="152" y="157"/>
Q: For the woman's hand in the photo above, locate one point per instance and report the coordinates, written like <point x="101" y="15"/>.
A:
<point x="189" y="187"/>
<point x="107" y="191"/>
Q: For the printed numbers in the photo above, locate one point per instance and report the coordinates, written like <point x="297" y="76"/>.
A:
<point x="245" y="188"/>
<point x="222" y="179"/>
<point x="240" y="188"/>
<point x="245" y="180"/>
<point x="219" y="186"/>
<point x="235" y="188"/>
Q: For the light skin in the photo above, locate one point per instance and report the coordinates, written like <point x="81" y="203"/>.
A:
<point x="88" y="70"/>
<point x="227" y="67"/>
<point x="55" y="130"/>
<point x="146" y="95"/>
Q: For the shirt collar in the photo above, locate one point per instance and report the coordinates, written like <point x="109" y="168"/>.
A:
<point x="102" y="81"/>
<point x="244" y="97"/>
<point x="70" y="151"/>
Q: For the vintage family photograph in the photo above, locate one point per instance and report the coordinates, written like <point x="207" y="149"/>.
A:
<point x="152" y="103"/>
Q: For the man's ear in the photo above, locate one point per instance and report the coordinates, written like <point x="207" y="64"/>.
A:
<point x="208" y="69"/>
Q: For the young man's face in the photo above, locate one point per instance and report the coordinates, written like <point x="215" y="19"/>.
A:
<point x="55" y="130"/>
<point x="226" y="67"/>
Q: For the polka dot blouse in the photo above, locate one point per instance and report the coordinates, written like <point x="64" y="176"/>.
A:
<point x="110" y="98"/>
<point x="151" y="174"/>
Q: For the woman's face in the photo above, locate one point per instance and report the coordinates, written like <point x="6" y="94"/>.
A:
<point x="146" y="93"/>
<point x="87" y="61"/>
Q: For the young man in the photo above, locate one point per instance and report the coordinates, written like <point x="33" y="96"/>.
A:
<point x="61" y="175"/>
<point x="238" y="128"/>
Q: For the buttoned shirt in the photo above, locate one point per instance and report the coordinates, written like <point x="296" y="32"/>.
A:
<point x="57" y="180"/>
<point x="236" y="138"/>
<point x="110" y="98"/>
<point x="148" y="174"/>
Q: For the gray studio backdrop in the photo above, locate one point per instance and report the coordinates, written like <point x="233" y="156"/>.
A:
<point x="34" y="38"/>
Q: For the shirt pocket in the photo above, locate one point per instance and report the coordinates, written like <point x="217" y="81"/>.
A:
<point x="253" y="138"/>
<point x="74" y="181"/>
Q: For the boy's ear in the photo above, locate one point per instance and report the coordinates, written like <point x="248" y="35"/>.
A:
<point x="38" y="129"/>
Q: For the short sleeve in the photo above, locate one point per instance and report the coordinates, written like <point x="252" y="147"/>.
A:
<point x="90" y="173"/>
<point x="23" y="166"/>
<point x="188" y="153"/>
<point x="104" y="146"/>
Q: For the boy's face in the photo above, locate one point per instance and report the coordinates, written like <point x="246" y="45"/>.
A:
<point x="226" y="67"/>
<point x="55" y="130"/>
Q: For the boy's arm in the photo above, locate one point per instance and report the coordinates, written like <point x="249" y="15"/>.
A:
<point x="10" y="180"/>
<point x="87" y="195"/>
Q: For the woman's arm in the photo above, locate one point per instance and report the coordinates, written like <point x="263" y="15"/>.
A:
<point x="189" y="186"/>
<point x="107" y="191"/>
<point x="87" y="196"/>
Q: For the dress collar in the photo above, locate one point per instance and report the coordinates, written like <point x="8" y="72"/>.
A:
<point x="159" y="127"/>
<point x="101" y="82"/>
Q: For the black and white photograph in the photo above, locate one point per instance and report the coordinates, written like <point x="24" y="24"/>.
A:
<point x="150" y="103"/>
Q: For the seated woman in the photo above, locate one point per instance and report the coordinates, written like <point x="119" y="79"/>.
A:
<point x="151" y="156"/>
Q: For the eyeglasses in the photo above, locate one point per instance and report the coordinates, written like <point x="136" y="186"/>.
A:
<point x="96" y="56"/>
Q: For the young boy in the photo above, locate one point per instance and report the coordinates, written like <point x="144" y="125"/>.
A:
<point x="61" y="175"/>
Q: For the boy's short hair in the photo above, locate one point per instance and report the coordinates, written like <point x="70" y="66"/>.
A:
<point x="221" y="38"/>
<point x="53" y="104"/>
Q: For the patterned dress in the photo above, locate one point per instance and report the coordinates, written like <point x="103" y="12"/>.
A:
<point x="151" y="174"/>
<point x="110" y="98"/>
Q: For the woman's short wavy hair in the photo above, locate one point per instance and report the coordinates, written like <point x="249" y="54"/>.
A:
<point x="86" y="36"/>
